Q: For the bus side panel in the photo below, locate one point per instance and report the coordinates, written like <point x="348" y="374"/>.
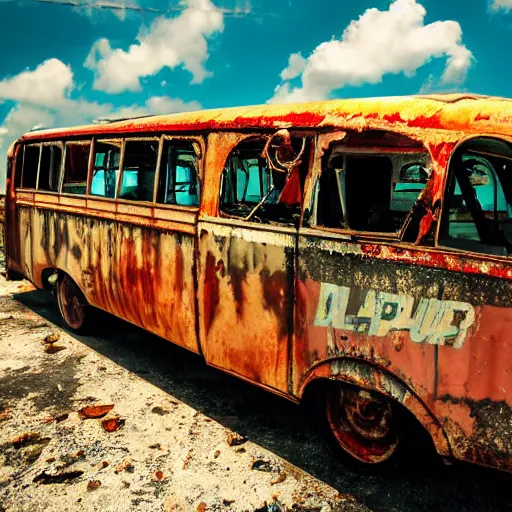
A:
<point x="350" y="305"/>
<point x="445" y="333"/>
<point x="138" y="273"/>
<point x="474" y="399"/>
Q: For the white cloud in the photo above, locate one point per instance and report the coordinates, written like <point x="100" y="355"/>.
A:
<point x="169" y="42"/>
<point x="42" y="99"/>
<point x="48" y="84"/>
<point x="378" y="43"/>
<point x="505" y="5"/>
<point x="296" y="65"/>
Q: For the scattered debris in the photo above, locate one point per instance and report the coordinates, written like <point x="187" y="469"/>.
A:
<point x="112" y="424"/>
<point x="61" y="417"/>
<point x="94" y="411"/>
<point x="263" y="465"/>
<point x="160" y="411"/>
<point x="92" y="485"/>
<point x="60" y="478"/>
<point x="53" y="349"/>
<point x="126" y="465"/>
<point x="52" y="337"/>
<point x="281" y="478"/>
<point x="275" y="506"/>
<point x="235" y="439"/>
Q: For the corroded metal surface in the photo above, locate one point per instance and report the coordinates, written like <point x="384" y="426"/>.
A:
<point x="462" y="113"/>
<point x="283" y="306"/>
<point x="138" y="273"/>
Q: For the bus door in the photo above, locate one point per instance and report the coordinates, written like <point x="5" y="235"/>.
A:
<point x="355" y="302"/>
<point x="247" y="253"/>
<point x="474" y="385"/>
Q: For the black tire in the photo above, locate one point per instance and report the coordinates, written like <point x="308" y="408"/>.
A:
<point x="364" y="428"/>
<point x="73" y="306"/>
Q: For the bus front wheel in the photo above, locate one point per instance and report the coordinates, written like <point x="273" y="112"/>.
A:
<point x="363" y="425"/>
<point x="72" y="304"/>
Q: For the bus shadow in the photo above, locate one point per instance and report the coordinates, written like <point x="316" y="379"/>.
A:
<point x="280" y="426"/>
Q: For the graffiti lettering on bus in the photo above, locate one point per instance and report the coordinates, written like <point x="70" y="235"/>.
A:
<point x="376" y="313"/>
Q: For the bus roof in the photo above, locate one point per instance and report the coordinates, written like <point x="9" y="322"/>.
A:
<point x="460" y="112"/>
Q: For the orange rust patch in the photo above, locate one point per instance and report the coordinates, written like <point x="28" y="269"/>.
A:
<point x="94" y="411"/>
<point x="112" y="424"/>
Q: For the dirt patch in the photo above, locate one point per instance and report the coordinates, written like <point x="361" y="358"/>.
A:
<point x="80" y="432"/>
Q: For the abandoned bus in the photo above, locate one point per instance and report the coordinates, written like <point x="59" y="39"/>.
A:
<point x="362" y="247"/>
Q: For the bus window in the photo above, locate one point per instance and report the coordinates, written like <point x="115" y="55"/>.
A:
<point x="370" y="188"/>
<point x="106" y="168"/>
<point x="179" y="175"/>
<point x="478" y="204"/>
<point x="139" y="168"/>
<point x="264" y="177"/>
<point x="30" y="166"/>
<point x="76" y="167"/>
<point x="49" y="170"/>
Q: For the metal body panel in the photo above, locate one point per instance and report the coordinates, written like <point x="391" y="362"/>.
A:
<point x="246" y="299"/>
<point x="140" y="273"/>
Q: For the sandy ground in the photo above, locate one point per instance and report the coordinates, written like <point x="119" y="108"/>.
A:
<point x="164" y="455"/>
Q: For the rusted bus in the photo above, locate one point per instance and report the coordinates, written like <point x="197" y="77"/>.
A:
<point x="361" y="243"/>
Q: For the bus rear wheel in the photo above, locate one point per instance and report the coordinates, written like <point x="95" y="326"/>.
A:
<point x="365" y="426"/>
<point x="72" y="304"/>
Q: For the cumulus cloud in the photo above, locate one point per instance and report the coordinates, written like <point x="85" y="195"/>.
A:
<point x="378" y="43"/>
<point x="505" y="5"/>
<point x="169" y="42"/>
<point x="48" y="84"/>
<point x="42" y="100"/>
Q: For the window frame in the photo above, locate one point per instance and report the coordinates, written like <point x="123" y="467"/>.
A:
<point x="60" y="144"/>
<point x="63" y="165"/>
<point x="121" y="167"/>
<point x="361" y="151"/>
<point x="201" y="159"/>
<point x="448" y="173"/>
<point x="33" y="144"/>
<point x="105" y="140"/>
<point x="311" y="137"/>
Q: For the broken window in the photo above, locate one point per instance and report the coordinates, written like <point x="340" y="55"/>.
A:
<point x="371" y="181"/>
<point x="477" y="213"/>
<point x="106" y="158"/>
<point x="49" y="170"/>
<point x="139" y="169"/>
<point x="264" y="177"/>
<point x="30" y="166"/>
<point x="179" y="173"/>
<point x="76" y="166"/>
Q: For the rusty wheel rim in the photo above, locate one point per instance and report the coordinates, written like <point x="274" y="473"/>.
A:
<point x="363" y="424"/>
<point x="71" y="303"/>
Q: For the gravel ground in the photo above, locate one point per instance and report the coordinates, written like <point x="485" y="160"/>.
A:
<point x="185" y="437"/>
<point x="149" y="450"/>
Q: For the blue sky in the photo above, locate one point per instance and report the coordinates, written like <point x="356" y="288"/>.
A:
<point x="62" y="65"/>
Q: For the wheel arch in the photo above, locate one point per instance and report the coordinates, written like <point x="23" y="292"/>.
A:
<point x="373" y="378"/>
